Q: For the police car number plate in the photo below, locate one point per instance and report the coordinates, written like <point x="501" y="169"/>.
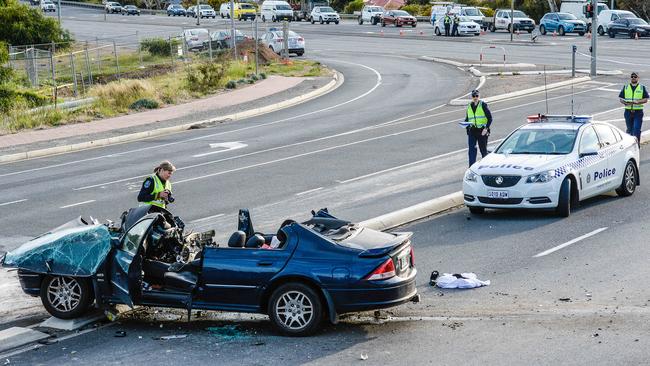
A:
<point x="497" y="194"/>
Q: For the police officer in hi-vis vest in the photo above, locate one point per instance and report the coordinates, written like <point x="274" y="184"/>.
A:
<point x="479" y="118"/>
<point x="157" y="188"/>
<point x="633" y="96"/>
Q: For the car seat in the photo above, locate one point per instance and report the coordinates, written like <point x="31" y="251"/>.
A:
<point x="255" y="241"/>
<point x="237" y="239"/>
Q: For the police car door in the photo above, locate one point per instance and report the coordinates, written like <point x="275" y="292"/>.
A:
<point x="592" y="160"/>
<point x="615" y="155"/>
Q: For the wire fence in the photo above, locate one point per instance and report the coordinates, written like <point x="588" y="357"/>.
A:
<point x="62" y="70"/>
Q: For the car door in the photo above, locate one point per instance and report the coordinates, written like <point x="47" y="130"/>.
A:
<point x="502" y="19"/>
<point x="552" y="23"/>
<point x="612" y="148"/>
<point x="592" y="162"/>
<point x="235" y="277"/>
<point x="126" y="266"/>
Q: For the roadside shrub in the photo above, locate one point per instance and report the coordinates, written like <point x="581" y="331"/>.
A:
<point x="231" y="84"/>
<point x="413" y="9"/>
<point x="144" y="104"/>
<point x="353" y="6"/>
<point x="118" y="96"/>
<point x="262" y="75"/>
<point x="254" y="77"/>
<point x="22" y="25"/>
<point x="207" y="76"/>
<point x="159" y="46"/>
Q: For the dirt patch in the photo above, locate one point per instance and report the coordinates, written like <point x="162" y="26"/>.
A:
<point x="496" y="85"/>
<point x="145" y="73"/>
<point x="265" y="55"/>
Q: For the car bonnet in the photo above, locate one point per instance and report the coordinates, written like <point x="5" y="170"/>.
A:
<point x="517" y="164"/>
<point x="72" y="249"/>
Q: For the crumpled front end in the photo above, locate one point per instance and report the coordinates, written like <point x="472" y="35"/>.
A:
<point x="73" y="249"/>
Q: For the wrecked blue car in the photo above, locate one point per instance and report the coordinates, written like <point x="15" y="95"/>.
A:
<point x="302" y="274"/>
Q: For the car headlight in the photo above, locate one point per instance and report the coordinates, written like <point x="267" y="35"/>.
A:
<point x="470" y="176"/>
<point x="542" y="177"/>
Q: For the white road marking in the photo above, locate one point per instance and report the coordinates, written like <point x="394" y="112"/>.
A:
<point x="309" y="191"/>
<point x="77" y="204"/>
<point x="554" y="249"/>
<point x="9" y="203"/>
<point x="206" y="218"/>
<point x="226" y="146"/>
<point x="610" y="90"/>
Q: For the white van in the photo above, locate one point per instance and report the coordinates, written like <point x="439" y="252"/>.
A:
<point x="608" y="16"/>
<point x="276" y="11"/>
<point x="578" y="8"/>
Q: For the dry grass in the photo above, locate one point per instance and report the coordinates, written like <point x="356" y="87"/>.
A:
<point x="119" y="95"/>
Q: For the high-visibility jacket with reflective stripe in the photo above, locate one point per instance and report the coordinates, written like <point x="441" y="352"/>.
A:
<point x="630" y="96"/>
<point x="158" y="187"/>
<point x="478" y="118"/>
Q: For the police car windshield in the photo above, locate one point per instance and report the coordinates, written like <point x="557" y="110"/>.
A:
<point x="472" y="12"/>
<point x="539" y="141"/>
<point x="326" y="9"/>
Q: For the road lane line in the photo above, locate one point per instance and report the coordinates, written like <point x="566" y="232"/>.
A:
<point x="554" y="249"/>
<point x="77" y="204"/>
<point x="9" y="203"/>
<point x="309" y="191"/>
<point x="206" y="218"/>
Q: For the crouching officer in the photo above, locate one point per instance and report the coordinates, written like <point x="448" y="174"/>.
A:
<point x="157" y="188"/>
<point x="479" y="118"/>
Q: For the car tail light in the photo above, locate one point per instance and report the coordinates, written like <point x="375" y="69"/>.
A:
<point x="300" y="39"/>
<point x="384" y="271"/>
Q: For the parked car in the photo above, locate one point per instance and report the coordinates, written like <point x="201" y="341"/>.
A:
<point x="578" y="8"/>
<point x="206" y="11"/>
<point x="130" y="10"/>
<point x="35" y="2"/>
<point x="222" y="39"/>
<point x="466" y="27"/>
<point x="276" y="11"/>
<point x="371" y="14"/>
<point x="303" y="8"/>
<point x="324" y="14"/>
<point x="562" y="23"/>
<point x="632" y="27"/>
<point x="501" y="20"/>
<point x="195" y="38"/>
<point x="607" y="16"/>
<point x="298" y="276"/>
<point x="274" y="40"/>
<point x="553" y="162"/>
<point x="113" y="7"/>
<point x="175" y="10"/>
<point x="398" y="17"/>
<point x="243" y="11"/>
<point x="191" y="11"/>
<point x="47" y="5"/>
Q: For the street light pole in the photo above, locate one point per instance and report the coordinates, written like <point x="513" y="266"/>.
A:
<point x="232" y="28"/>
<point x="512" y="19"/>
<point x="198" y="13"/>
<point x="58" y="10"/>
<point x="594" y="36"/>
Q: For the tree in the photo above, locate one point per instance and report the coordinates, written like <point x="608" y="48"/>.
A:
<point x="20" y="24"/>
<point x="640" y="7"/>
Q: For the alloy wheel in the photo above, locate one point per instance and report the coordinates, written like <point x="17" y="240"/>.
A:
<point x="64" y="293"/>
<point x="630" y="178"/>
<point x="295" y="310"/>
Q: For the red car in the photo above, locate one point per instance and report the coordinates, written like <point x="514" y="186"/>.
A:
<point x="399" y="18"/>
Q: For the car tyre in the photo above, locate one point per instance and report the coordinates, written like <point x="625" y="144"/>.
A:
<point x="628" y="185"/>
<point x="437" y="31"/>
<point x="383" y="24"/>
<point x="373" y="21"/>
<point x="360" y="21"/>
<point x="263" y="19"/>
<point x="633" y="34"/>
<point x="300" y="53"/>
<point x="66" y="297"/>
<point x="542" y="30"/>
<point x="295" y="309"/>
<point x="273" y="18"/>
<point x="493" y="28"/>
<point x="476" y="210"/>
<point x="320" y="20"/>
<point x="561" y="31"/>
<point x="611" y="34"/>
<point x="601" y="31"/>
<point x="336" y="22"/>
<point x="564" y="201"/>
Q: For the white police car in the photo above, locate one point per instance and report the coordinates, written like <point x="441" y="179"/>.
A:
<point x="553" y="162"/>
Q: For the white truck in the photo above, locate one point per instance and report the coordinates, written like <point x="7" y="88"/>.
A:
<point x="501" y="20"/>
<point x="578" y="8"/>
<point x="371" y="14"/>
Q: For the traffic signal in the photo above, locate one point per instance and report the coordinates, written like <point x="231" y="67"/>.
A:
<point x="589" y="10"/>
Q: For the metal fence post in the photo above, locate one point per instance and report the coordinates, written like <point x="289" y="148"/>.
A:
<point x="574" y="48"/>
<point x="99" y="56"/>
<point x="88" y="68"/>
<point x="210" y="47"/>
<point x="171" y="50"/>
<point x="137" y="34"/>
<point x="117" y="60"/>
<point x="256" y="45"/>
<point x="74" y="75"/>
<point x="56" y="89"/>
<point x="11" y="50"/>
<point x="285" y="40"/>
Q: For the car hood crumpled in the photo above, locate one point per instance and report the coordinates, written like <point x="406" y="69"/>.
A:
<point x="516" y="164"/>
<point x="74" y="249"/>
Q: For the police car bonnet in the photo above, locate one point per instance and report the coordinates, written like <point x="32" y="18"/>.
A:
<point x="514" y="164"/>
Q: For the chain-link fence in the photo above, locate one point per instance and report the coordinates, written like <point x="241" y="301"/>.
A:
<point x="70" y="71"/>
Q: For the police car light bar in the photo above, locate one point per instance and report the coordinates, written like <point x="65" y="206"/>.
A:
<point x="558" y="118"/>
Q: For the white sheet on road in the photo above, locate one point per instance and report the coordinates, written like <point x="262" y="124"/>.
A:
<point x="467" y="280"/>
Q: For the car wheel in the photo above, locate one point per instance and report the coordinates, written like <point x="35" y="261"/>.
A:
<point x="581" y="34"/>
<point x="414" y="24"/>
<point x="601" y="31"/>
<point x="564" y="201"/>
<point x="263" y="19"/>
<point x="437" y="31"/>
<point x="336" y="22"/>
<point x="632" y="34"/>
<point x="493" y="28"/>
<point x="221" y="16"/>
<point x="542" y="30"/>
<point x="530" y="31"/>
<point x="476" y="210"/>
<point x="628" y="185"/>
<point x="300" y="53"/>
<point x="320" y="20"/>
<point x="295" y="309"/>
<point x="273" y="18"/>
<point x="611" y="34"/>
<point x="373" y="21"/>
<point x="360" y="21"/>
<point x="66" y="297"/>
<point x="383" y="24"/>
<point x="561" y="31"/>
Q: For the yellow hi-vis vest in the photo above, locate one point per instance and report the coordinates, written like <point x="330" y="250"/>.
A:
<point x="158" y="187"/>
<point x="478" y="118"/>
<point x="630" y="96"/>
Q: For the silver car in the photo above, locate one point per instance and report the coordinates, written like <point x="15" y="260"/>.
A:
<point x="195" y="38"/>
<point x="275" y="41"/>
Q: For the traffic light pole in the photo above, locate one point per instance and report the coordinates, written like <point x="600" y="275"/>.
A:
<point x="594" y="36"/>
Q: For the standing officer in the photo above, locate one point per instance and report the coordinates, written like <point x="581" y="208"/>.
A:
<point x="479" y="118"/>
<point x="454" y="29"/>
<point x="447" y="21"/>
<point x="633" y="96"/>
<point x="157" y="188"/>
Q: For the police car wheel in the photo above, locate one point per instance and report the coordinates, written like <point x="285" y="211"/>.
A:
<point x="564" y="201"/>
<point x="476" y="210"/>
<point x="542" y="30"/>
<point x="628" y="185"/>
<point x="437" y="31"/>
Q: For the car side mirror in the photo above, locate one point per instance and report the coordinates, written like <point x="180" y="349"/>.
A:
<point x="589" y="152"/>
<point x="115" y="243"/>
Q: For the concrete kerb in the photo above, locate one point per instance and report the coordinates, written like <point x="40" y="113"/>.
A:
<point x="336" y="81"/>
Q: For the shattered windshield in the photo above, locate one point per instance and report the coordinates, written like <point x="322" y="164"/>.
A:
<point x="76" y="250"/>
